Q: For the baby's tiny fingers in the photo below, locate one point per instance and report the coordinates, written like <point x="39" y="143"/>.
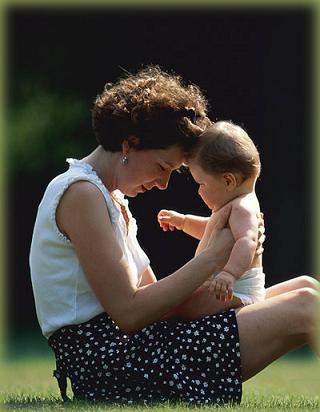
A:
<point x="230" y="294"/>
<point x="212" y="288"/>
<point x="218" y="291"/>
<point x="164" y="227"/>
<point x="225" y="293"/>
<point x="207" y="284"/>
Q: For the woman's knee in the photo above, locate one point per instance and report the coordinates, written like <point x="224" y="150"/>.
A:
<point x="306" y="281"/>
<point x="304" y="309"/>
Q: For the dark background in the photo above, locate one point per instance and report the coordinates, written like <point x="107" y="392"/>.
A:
<point x="254" y="66"/>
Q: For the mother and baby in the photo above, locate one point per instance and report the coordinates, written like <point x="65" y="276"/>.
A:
<point x="194" y="336"/>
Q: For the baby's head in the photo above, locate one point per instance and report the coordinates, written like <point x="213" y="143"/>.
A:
<point x="226" y="164"/>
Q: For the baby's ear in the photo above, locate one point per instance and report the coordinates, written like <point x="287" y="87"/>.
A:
<point x="230" y="181"/>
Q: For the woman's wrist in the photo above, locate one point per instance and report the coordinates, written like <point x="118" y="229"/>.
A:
<point x="211" y="261"/>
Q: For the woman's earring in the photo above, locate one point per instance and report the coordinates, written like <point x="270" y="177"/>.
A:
<point x="124" y="159"/>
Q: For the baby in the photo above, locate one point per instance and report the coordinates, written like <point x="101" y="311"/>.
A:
<point x="226" y="165"/>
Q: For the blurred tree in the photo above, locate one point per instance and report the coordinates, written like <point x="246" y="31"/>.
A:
<point x="45" y="127"/>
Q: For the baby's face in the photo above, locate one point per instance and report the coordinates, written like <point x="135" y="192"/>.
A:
<point x="212" y="187"/>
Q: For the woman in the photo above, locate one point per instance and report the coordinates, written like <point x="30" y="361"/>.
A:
<point x="118" y="333"/>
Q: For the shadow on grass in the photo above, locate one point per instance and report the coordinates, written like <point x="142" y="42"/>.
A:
<point x="253" y="402"/>
<point x="32" y="403"/>
<point x="44" y="404"/>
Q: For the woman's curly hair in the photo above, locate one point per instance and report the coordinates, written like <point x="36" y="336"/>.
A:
<point x="153" y="106"/>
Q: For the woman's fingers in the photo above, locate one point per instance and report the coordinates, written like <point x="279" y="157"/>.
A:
<point x="261" y="233"/>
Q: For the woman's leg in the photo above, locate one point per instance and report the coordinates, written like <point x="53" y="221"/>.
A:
<point x="273" y="327"/>
<point x="292" y="284"/>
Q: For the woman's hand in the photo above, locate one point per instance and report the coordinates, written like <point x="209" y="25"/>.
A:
<point x="169" y="219"/>
<point x="261" y="234"/>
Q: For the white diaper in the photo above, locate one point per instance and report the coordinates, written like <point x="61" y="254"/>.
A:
<point x="250" y="287"/>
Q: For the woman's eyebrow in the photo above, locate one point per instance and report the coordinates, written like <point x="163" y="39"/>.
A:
<point x="172" y="166"/>
<point x="169" y="164"/>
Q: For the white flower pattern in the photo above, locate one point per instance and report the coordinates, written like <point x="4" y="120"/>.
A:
<point x="197" y="361"/>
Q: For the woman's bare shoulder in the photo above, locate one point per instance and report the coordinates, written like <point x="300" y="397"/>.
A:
<point x="82" y="201"/>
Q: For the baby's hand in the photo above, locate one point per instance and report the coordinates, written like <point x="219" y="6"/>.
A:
<point x="222" y="286"/>
<point x="169" y="219"/>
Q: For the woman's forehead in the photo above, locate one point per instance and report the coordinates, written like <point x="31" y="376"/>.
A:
<point x="174" y="156"/>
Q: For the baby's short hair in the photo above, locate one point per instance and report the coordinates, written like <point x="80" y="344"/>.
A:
<point x="225" y="147"/>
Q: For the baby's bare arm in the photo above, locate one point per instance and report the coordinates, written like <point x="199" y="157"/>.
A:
<point x="190" y="224"/>
<point x="195" y="225"/>
<point x="244" y="226"/>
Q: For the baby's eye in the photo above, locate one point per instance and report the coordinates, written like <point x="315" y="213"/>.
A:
<point x="162" y="168"/>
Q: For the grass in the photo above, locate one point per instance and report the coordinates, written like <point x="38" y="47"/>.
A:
<point x="291" y="384"/>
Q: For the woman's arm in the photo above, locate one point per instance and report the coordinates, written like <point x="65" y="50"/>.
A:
<point x="83" y="216"/>
<point x="147" y="277"/>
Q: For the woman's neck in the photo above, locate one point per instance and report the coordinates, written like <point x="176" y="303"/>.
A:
<point x="105" y="165"/>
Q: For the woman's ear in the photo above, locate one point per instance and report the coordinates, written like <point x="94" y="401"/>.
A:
<point x="130" y="142"/>
<point x="230" y="181"/>
<point x="125" y="147"/>
<point x="133" y="141"/>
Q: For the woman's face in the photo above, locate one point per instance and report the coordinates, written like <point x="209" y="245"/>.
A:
<point x="146" y="169"/>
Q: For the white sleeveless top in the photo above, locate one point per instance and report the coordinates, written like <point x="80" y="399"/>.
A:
<point x="61" y="291"/>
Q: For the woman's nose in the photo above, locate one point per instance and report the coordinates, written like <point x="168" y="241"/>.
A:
<point x="162" y="183"/>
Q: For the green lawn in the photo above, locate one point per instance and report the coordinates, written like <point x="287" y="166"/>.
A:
<point x="291" y="384"/>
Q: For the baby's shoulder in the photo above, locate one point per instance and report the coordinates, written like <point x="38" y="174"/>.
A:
<point x="247" y="203"/>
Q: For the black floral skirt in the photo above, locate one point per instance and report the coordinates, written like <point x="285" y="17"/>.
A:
<point x="196" y="361"/>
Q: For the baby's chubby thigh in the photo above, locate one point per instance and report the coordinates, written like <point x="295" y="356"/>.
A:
<point x="250" y="288"/>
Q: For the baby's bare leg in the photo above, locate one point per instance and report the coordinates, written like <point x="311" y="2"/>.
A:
<point x="293" y="284"/>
